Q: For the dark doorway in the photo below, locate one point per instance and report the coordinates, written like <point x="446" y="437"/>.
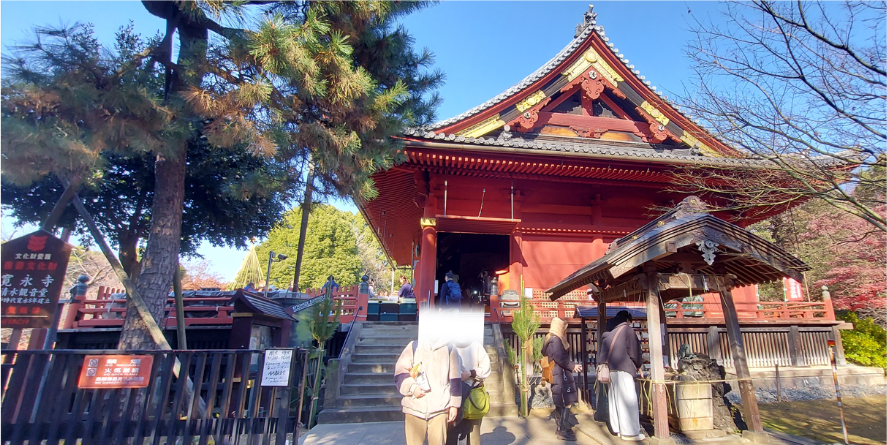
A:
<point x="468" y="255"/>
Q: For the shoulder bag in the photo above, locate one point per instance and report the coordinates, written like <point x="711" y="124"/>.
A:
<point x="603" y="370"/>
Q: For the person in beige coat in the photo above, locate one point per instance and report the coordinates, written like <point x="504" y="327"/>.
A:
<point x="428" y="375"/>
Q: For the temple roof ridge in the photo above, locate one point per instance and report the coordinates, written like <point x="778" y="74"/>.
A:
<point x="584" y="30"/>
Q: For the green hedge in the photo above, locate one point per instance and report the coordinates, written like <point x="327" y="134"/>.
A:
<point x="866" y="344"/>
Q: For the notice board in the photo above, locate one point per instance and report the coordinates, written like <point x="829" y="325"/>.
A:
<point x="276" y="370"/>
<point x="33" y="272"/>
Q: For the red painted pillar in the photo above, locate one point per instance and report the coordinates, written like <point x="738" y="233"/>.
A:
<point x="516" y="262"/>
<point x="427" y="265"/>
<point x="427" y="253"/>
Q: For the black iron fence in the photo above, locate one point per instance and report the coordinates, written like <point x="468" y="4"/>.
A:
<point x="205" y="396"/>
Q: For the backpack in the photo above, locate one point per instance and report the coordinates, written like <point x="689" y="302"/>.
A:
<point x="547" y="369"/>
<point x="453" y="294"/>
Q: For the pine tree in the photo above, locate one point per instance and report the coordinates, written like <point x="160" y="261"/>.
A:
<point x="290" y="89"/>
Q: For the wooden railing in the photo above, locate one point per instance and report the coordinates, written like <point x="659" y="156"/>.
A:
<point x="106" y="311"/>
<point x="767" y="310"/>
<point x="565" y="308"/>
<point x="351" y="299"/>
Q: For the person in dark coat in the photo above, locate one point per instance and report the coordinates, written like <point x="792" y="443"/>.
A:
<point x="624" y="360"/>
<point x="563" y="388"/>
<point x="406" y="288"/>
<point x="450" y="293"/>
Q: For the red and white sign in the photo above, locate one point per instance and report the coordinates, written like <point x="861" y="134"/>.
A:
<point x="793" y="291"/>
<point x="115" y="371"/>
<point x="33" y="271"/>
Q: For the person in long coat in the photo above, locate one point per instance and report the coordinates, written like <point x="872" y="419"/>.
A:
<point x="620" y="349"/>
<point x="564" y="392"/>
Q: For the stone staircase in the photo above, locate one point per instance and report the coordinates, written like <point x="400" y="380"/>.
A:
<point x="360" y="386"/>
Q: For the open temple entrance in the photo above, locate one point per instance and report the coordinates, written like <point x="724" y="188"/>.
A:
<point x="469" y="256"/>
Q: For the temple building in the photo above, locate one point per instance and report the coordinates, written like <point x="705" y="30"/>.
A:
<point x="539" y="180"/>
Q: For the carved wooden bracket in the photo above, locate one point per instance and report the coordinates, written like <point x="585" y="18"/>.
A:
<point x="658" y="133"/>
<point x="527" y="120"/>
<point x="592" y="84"/>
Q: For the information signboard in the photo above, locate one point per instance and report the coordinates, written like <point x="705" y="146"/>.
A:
<point x="33" y="273"/>
<point x="793" y="290"/>
<point x="276" y="371"/>
<point x="115" y="371"/>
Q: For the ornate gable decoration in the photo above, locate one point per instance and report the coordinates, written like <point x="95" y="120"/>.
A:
<point x="587" y="91"/>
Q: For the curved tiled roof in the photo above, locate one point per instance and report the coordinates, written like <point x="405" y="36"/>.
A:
<point x="584" y="32"/>
<point x="604" y="148"/>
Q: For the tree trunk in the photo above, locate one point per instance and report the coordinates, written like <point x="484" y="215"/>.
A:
<point x="161" y="252"/>
<point x="128" y="253"/>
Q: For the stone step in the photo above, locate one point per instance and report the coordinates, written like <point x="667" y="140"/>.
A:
<point x="362" y="415"/>
<point x="402" y="342"/>
<point x="379" y="389"/>
<point x="369" y="378"/>
<point x="368" y="400"/>
<point x="391" y="328"/>
<point x="378" y="349"/>
<point x="375" y="358"/>
<point x="371" y="368"/>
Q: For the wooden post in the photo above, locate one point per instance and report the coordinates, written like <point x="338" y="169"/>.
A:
<point x="584" y="357"/>
<point x="713" y="341"/>
<point x="666" y="345"/>
<point x="600" y="403"/>
<point x="657" y="372"/>
<point x="839" y="347"/>
<point x="181" y="338"/>
<point x="778" y="386"/>
<point x="794" y="346"/>
<point x="737" y="348"/>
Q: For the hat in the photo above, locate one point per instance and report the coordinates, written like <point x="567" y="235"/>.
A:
<point x="450" y="275"/>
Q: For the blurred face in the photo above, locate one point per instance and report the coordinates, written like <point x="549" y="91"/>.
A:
<point x="403" y="280"/>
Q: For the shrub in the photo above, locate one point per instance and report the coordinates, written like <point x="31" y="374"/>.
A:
<point x="866" y="344"/>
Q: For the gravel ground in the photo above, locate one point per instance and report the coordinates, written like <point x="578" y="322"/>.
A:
<point x="813" y="392"/>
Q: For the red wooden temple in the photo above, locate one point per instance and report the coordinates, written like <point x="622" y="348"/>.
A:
<point x="536" y="182"/>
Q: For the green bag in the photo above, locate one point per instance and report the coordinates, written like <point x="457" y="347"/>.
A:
<point x="477" y="404"/>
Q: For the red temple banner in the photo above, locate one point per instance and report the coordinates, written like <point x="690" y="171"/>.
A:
<point x="793" y="290"/>
<point x="33" y="274"/>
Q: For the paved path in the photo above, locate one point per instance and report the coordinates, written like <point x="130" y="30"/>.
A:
<point x="494" y="431"/>
<point x="534" y="430"/>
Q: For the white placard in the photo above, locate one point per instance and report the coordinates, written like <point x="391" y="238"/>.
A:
<point x="276" y="371"/>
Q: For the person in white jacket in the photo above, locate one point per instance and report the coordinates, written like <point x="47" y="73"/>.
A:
<point x="475" y="366"/>
<point x="427" y="376"/>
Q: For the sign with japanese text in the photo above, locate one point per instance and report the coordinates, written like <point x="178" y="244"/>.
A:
<point x="115" y="371"/>
<point x="793" y="291"/>
<point x="276" y="370"/>
<point x="33" y="273"/>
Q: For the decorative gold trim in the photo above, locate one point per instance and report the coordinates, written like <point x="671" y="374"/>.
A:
<point x="428" y="222"/>
<point x="691" y="140"/>
<point x="654" y="113"/>
<point x="481" y="128"/>
<point x="529" y="101"/>
<point x="241" y="314"/>
<point x="580" y="66"/>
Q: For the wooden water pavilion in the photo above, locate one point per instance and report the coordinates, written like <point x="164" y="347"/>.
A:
<point x="683" y="253"/>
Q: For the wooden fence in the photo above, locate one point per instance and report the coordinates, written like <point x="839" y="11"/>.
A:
<point x="43" y="403"/>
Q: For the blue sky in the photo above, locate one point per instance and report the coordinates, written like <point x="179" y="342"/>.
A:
<point x="482" y="47"/>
